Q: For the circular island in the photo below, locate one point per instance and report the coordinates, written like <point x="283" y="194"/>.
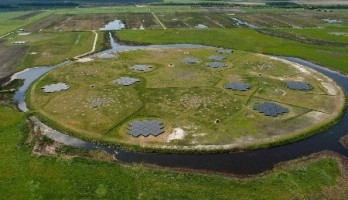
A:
<point x="186" y="99"/>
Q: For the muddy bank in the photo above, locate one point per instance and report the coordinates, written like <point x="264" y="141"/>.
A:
<point x="344" y="141"/>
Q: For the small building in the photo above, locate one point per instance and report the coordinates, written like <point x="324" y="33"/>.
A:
<point x="24" y="33"/>
<point x="19" y="42"/>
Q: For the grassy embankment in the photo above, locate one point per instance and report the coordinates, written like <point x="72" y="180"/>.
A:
<point x="244" y="39"/>
<point x="26" y="176"/>
<point x="193" y="95"/>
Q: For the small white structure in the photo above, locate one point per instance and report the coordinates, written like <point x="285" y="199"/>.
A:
<point x="19" y="42"/>
<point x="24" y="33"/>
<point x="201" y="26"/>
<point x="106" y="56"/>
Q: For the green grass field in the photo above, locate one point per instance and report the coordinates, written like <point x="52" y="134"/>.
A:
<point x="9" y="24"/>
<point x="244" y="39"/>
<point x="334" y="35"/>
<point x="53" y="48"/>
<point x="26" y="176"/>
<point x="190" y="97"/>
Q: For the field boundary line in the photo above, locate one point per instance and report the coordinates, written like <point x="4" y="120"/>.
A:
<point x="7" y="34"/>
<point x="164" y="27"/>
<point x="215" y="22"/>
<point x="93" y="48"/>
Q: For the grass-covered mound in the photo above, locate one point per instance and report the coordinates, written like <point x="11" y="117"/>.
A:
<point x="187" y="98"/>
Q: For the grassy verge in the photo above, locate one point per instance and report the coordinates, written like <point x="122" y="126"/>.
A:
<point x="243" y="39"/>
<point x="24" y="176"/>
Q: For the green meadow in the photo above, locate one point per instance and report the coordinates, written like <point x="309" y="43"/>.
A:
<point x="243" y="39"/>
<point x="27" y="176"/>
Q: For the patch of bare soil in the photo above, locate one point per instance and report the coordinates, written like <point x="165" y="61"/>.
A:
<point x="331" y="89"/>
<point x="344" y="141"/>
<point x="46" y="22"/>
<point x="9" y="58"/>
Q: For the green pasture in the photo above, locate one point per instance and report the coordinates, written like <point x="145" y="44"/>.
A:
<point x="9" y="24"/>
<point x="53" y="48"/>
<point x="336" y="35"/>
<point x="27" y="176"/>
<point x="243" y="39"/>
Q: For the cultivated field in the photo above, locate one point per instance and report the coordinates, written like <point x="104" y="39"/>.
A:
<point x="11" y="21"/>
<point x="9" y="58"/>
<point x="186" y="97"/>
<point x="53" y="48"/>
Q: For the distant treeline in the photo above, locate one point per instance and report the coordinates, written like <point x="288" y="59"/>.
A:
<point x="36" y="5"/>
<point x="315" y="7"/>
<point x="284" y="4"/>
<point x="47" y="4"/>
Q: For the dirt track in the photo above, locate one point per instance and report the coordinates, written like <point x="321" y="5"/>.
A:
<point x="9" y="58"/>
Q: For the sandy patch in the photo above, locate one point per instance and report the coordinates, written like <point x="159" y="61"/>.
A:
<point x="177" y="134"/>
<point x="316" y="116"/>
<point x="279" y="91"/>
<point x="330" y="88"/>
<point x="344" y="141"/>
<point x="236" y="78"/>
<point x="301" y="68"/>
<point x="84" y="60"/>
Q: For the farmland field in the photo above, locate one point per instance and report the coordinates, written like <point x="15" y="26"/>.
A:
<point x="53" y="48"/>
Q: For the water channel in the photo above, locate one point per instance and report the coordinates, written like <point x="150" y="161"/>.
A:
<point x="242" y="163"/>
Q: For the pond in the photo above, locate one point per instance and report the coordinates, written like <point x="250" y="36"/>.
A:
<point x="113" y="26"/>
